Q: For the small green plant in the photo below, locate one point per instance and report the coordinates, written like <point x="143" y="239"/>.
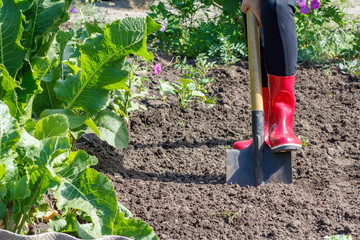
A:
<point x="228" y="51"/>
<point x="125" y="101"/>
<point x="214" y="215"/>
<point x="180" y="123"/>
<point x="186" y="92"/>
<point x="304" y="140"/>
<point x="193" y="86"/>
<point x="231" y="217"/>
<point x="338" y="237"/>
<point x="198" y="74"/>
<point x="352" y="66"/>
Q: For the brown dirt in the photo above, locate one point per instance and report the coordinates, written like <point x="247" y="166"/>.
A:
<point x="173" y="173"/>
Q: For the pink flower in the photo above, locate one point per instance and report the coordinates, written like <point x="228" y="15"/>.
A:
<point x="305" y="9"/>
<point x="302" y="3"/>
<point x="157" y="68"/>
<point x="315" y="4"/>
<point x="164" y="25"/>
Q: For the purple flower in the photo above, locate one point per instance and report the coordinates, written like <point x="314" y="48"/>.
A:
<point x="305" y="9"/>
<point x="315" y="4"/>
<point x="157" y="68"/>
<point x="164" y="25"/>
<point x="73" y="10"/>
<point x="302" y="3"/>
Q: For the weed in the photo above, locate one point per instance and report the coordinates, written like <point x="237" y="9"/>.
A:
<point x="338" y="237"/>
<point x="126" y="101"/>
<point x="231" y="217"/>
<point x="180" y="123"/>
<point x="193" y="86"/>
<point x="304" y="140"/>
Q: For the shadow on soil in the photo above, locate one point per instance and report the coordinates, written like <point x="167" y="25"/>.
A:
<point x="113" y="163"/>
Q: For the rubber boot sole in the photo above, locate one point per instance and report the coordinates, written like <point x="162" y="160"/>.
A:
<point x="286" y="148"/>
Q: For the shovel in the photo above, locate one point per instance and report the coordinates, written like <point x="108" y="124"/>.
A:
<point x="257" y="164"/>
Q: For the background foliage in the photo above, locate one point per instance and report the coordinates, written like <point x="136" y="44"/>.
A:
<point x="326" y="35"/>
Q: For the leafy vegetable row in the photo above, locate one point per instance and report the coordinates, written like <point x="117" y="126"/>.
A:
<point x="52" y="90"/>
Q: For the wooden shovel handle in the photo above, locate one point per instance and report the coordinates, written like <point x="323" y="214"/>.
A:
<point x="257" y="108"/>
<point x="254" y="62"/>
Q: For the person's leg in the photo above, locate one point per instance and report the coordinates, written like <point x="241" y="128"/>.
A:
<point x="280" y="54"/>
<point x="279" y="33"/>
<point x="265" y="89"/>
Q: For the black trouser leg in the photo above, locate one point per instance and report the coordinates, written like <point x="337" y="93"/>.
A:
<point x="278" y="39"/>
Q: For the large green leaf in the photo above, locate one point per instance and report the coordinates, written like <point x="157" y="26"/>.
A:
<point x="40" y="153"/>
<point x="133" y="228"/>
<point x="42" y="22"/>
<point x="52" y="126"/>
<point x="11" y="52"/>
<point x="112" y="129"/>
<point x="43" y="18"/>
<point x="102" y="63"/>
<point x="47" y="99"/>
<point x="91" y="192"/>
<point x="75" y="120"/>
<point x="40" y="66"/>
<point x="7" y="90"/>
<point x="63" y="225"/>
<point x="19" y="194"/>
<point x="9" y="136"/>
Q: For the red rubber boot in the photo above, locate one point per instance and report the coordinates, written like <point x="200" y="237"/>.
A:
<point x="281" y="114"/>
<point x="247" y="143"/>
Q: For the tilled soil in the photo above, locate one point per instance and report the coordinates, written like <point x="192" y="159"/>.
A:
<point x="173" y="173"/>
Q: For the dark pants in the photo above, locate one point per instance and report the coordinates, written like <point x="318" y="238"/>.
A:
<point x="278" y="38"/>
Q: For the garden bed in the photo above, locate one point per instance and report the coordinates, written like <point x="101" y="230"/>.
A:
<point x="173" y="174"/>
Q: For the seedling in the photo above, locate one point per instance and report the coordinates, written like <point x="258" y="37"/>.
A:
<point x="231" y="217"/>
<point x="338" y="237"/>
<point x="180" y="123"/>
<point x="193" y="86"/>
<point x="214" y="220"/>
<point x="304" y="140"/>
<point x="126" y="101"/>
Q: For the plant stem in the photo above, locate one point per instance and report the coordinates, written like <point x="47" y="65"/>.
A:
<point x="17" y="224"/>
<point x="21" y="224"/>
<point x="72" y="142"/>
<point x="6" y="221"/>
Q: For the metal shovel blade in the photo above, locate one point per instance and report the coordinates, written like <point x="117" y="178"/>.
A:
<point x="276" y="167"/>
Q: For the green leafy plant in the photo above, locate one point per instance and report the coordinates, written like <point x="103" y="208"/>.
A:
<point x="229" y="52"/>
<point x="193" y="86"/>
<point x="52" y="89"/>
<point x="328" y="35"/>
<point x="125" y="101"/>
<point x="198" y="75"/>
<point x="350" y="66"/>
<point x="80" y="86"/>
<point x="185" y="35"/>
<point x="32" y="165"/>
